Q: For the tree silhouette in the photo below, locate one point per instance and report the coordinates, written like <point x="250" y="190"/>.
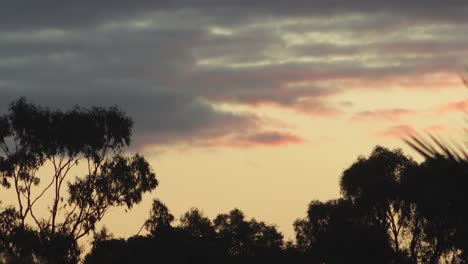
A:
<point x="440" y="203"/>
<point x="17" y="244"/>
<point x="233" y="231"/>
<point x="338" y="232"/>
<point x="160" y="219"/>
<point x="231" y="239"/>
<point x="32" y="137"/>
<point x="197" y="225"/>
<point x="246" y="238"/>
<point x="373" y="184"/>
<point x="108" y="251"/>
<point x="413" y="211"/>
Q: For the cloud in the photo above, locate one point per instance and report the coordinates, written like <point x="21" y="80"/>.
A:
<point x="457" y="106"/>
<point x="23" y="13"/>
<point x="394" y="114"/>
<point x="398" y="131"/>
<point x="268" y="138"/>
<point x="437" y="128"/>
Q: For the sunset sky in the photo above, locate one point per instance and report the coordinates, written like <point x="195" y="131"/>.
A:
<point x="258" y="105"/>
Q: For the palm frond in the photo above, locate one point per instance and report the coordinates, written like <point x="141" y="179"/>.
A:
<point x="436" y="148"/>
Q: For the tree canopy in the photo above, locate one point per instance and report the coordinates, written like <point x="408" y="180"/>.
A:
<point x="32" y="137"/>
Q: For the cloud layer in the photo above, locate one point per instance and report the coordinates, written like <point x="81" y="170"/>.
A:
<point x="170" y="64"/>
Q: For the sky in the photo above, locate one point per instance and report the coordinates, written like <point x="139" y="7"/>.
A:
<point x="258" y="105"/>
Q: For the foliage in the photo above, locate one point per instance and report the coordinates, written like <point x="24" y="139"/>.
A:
<point x="402" y="212"/>
<point x="246" y="238"/>
<point x="338" y="226"/>
<point x="194" y="239"/>
<point x="160" y="219"/>
<point x="32" y="137"/>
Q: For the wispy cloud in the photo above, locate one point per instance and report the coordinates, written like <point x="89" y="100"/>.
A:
<point x="398" y="131"/>
<point x="437" y="128"/>
<point x="457" y="106"/>
<point x="268" y="138"/>
<point x="394" y="114"/>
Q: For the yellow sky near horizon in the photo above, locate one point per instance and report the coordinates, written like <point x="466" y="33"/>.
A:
<point x="275" y="183"/>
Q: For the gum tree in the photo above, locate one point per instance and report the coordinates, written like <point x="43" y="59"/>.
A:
<point x="33" y="137"/>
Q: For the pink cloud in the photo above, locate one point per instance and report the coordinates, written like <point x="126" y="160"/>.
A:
<point x="396" y="131"/>
<point x="317" y="107"/>
<point x="394" y="114"/>
<point x="267" y="138"/>
<point x="437" y="128"/>
<point x="307" y="88"/>
<point x="458" y="106"/>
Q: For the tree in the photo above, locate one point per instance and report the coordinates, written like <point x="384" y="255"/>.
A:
<point x="373" y="184"/>
<point x="160" y="219"/>
<point x="233" y="232"/>
<point x="230" y="238"/>
<point x="267" y="240"/>
<point x="197" y="225"/>
<point x="435" y="189"/>
<point x="247" y="238"/>
<point x="378" y="201"/>
<point x="32" y="137"/>
<point x="108" y="251"/>
<point x="16" y="245"/>
<point x="336" y="232"/>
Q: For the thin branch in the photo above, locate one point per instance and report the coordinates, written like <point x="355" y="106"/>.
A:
<point x="43" y="191"/>
<point x="18" y="196"/>
<point x="141" y="228"/>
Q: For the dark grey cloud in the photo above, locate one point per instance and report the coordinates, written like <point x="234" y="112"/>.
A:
<point x="160" y="118"/>
<point x="138" y="70"/>
<point x="53" y="13"/>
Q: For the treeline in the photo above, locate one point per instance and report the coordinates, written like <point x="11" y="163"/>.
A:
<point x="391" y="210"/>
<point x="195" y="238"/>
